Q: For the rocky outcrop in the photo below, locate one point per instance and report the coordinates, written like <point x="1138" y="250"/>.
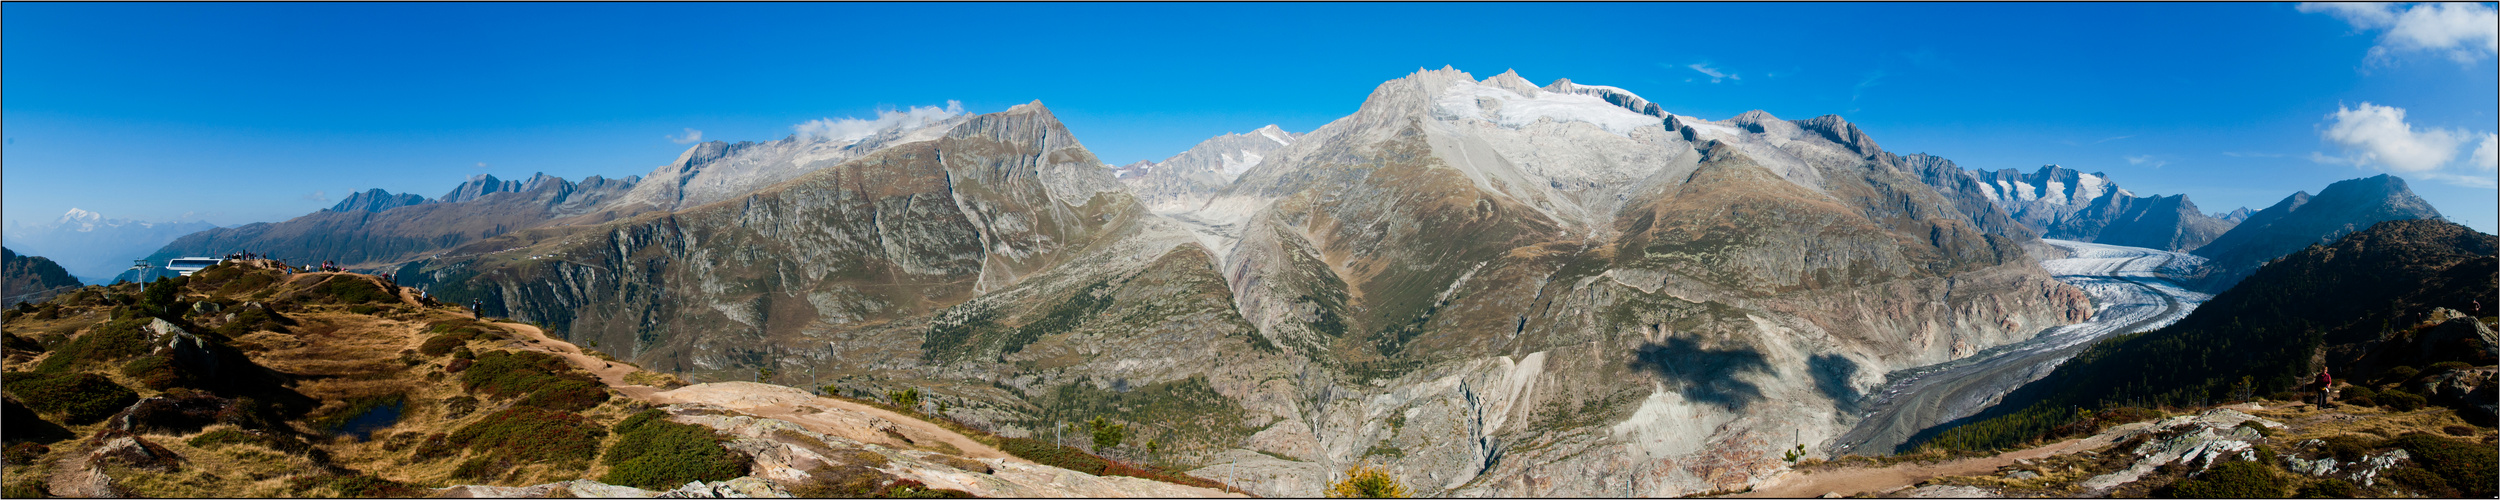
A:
<point x="2194" y="441"/>
<point x="1184" y="182"/>
<point x="376" y="200"/>
<point x="2301" y="220"/>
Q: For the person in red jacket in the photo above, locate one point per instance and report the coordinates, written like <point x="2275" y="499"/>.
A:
<point x="2326" y="387"/>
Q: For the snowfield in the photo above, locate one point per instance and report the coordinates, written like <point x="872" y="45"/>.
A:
<point x="2131" y="290"/>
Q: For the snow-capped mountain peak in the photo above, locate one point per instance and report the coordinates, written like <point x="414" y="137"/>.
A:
<point x="1512" y="103"/>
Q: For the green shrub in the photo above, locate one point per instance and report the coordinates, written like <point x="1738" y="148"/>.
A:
<point x="2232" y="480"/>
<point x="114" y="340"/>
<point x="907" y="399"/>
<point x="248" y="283"/>
<point x="157" y="372"/>
<point x="654" y="453"/>
<point x="252" y="319"/>
<point x="1053" y="454"/>
<point x="2400" y="374"/>
<point x="541" y="380"/>
<point x="79" y="398"/>
<point x="2447" y="366"/>
<point x="524" y="434"/>
<point x="2464" y="465"/>
<point x="21" y="453"/>
<point x="440" y="345"/>
<point x="860" y="481"/>
<point x="351" y="290"/>
<point x="2401" y="400"/>
<point x="2416" y="480"/>
<point x="26" y="488"/>
<point x="2326" y="488"/>
<point x="220" y="438"/>
<point x="1106" y="434"/>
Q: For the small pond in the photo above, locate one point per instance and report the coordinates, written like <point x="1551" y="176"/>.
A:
<point x="380" y="417"/>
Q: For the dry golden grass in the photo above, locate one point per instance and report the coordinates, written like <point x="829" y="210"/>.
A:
<point x="2308" y="422"/>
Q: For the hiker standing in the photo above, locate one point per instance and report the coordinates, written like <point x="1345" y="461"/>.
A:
<point x="2326" y="387"/>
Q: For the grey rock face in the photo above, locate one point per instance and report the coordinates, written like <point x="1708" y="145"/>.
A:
<point x="1186" y="181"/>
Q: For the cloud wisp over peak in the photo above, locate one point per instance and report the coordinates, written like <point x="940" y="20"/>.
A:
<point x="691" y="136"/>
<point x="852" y="129"/>
<point x="2374" y="136"/>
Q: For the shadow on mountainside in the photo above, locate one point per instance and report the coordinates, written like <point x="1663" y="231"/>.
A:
<point x="1704" y="375"/>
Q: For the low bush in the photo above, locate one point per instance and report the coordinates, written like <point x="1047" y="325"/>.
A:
<point x="2232" y="480"/>
<point x="111" y="341"/>
<point x="542" y="380"/>
<point x="440" y="345"/>
<point x="524" y="434"/>
<point x="654" y="453"/>
<point x="25" y="488"/>
<point x="2416" y="480"/>
<point x="355" y="485"/>
<point x="350" y="290"/>
<point x="159" y="373"/>
<point x="24" y="453"/>
<point x="859" y="481"/>
<point x="2326" y="488"/>
<point x="253" y="319"/>
<point x="2401" y="400"/>
<point x="1054" y="455"/>
<point x="1366" y="482"/>
<point x="79" y="398"/>
<point x="2466" y="466"/>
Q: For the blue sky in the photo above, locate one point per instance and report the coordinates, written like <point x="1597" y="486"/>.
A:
<point x="238" y="113"/>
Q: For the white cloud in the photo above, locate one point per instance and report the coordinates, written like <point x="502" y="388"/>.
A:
<point x="853" y="129"/>
<point x="2464" y="32"/>
<point x="690" y="137"/>
<point x="2146" y="159"/>
<point x="1872" y="79"/>
<point x="320" y="196"/>
<point x="2484" y="156"/>
<point x="1715" y="74"/>
<point x="2378" y="135"/>
<point x="481" y="164"/>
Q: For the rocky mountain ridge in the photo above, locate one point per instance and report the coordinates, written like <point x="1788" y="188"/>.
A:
<point x="2062" y="203"/>
<point x="1484" y="258"/>
<point x="2301" y="220"/>
<point x="29" y="278"/>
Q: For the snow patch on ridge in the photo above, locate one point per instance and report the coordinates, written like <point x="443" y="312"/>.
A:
<point x="1513" y="110"/>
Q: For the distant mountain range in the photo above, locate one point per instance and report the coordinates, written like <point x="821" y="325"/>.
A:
<point x="1560" y="277"/>
<point x="2058" y="202"/>
<point x="2301" y="220"/>
<point x="96" y="247"/>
